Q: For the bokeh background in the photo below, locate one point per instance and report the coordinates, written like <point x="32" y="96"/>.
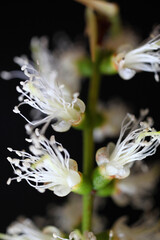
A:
<point x="19" y="22"/>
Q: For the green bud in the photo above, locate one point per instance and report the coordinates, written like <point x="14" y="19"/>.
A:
<point x="84" y="187"/>
<point x="99" y="181"/>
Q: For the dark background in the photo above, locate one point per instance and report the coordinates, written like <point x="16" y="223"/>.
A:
<point x="19" y="22"/>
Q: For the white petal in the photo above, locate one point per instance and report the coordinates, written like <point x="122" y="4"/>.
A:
<point x="126" y="73"/>
<point x="61" y="190"/>
<point x="73" y="178"/>
<point x="61" y="126"/>
<point x="73" y="165"/>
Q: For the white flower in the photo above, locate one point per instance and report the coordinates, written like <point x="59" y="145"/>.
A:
<point x="26" y="230"/>
<point x="137" y="140"/>
<point x="49" y="167"/>
<point x="52" y="83"/>
<point x="51" y="98"/>
<point x="146" y="229"/>
<point x="113" y="113"/>
<point x="138" y="187"/>
<point x="143" y="58"/>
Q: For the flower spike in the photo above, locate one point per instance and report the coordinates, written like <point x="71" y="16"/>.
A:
<point x="48" y="167"/>
<point x="137" y="140"/>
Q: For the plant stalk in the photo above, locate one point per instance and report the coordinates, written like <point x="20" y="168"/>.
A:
<point x="88" y="146"/>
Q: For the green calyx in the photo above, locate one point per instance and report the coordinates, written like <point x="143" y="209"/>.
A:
<point x="99" y="181"/>
<point x="105" y="64"/>
<point x="84" y="187"/>
<point x="104" y="187"/>
<point x="107" y="67"/>
<point x="107" y="190"/>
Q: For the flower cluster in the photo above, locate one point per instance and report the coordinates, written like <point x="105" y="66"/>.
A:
<point x="26" y="229"/>
<point x="51" y="85"/>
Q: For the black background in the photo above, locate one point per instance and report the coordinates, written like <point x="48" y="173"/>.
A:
<point x="19" y="22"/>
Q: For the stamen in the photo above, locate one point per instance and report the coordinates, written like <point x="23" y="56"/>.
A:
<point x="9" y="159"/>
<point x="16" y="110"/>
<point x="10" y="149"/>
<point x="9" y="181"/>
<point x="28" y="140"/>
<point x="19" y="89"/>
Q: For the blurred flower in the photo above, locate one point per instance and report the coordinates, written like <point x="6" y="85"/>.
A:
<point x="77" y="235"/>
<point x="124" y="40"/>
<point x="143" y="58"/>
<point x="25" y="229"/>
<point x="73" y="207"/>
<point x="113" y="113"/>
<point x="45" y="94"/>
<point x="147" y="228"/>
<point x="89" y="236"/>
<point x="138" y="187"/>
<point x="137" y="140"/>
<point x="49" y="167"/>
<point x="64" y="59"/>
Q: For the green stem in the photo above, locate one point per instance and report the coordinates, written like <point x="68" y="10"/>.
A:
<point x="88" y="146"/>
<point x="94" y="90"/>
<point x="87" y="212"/>
<point x="88" y="153"/>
